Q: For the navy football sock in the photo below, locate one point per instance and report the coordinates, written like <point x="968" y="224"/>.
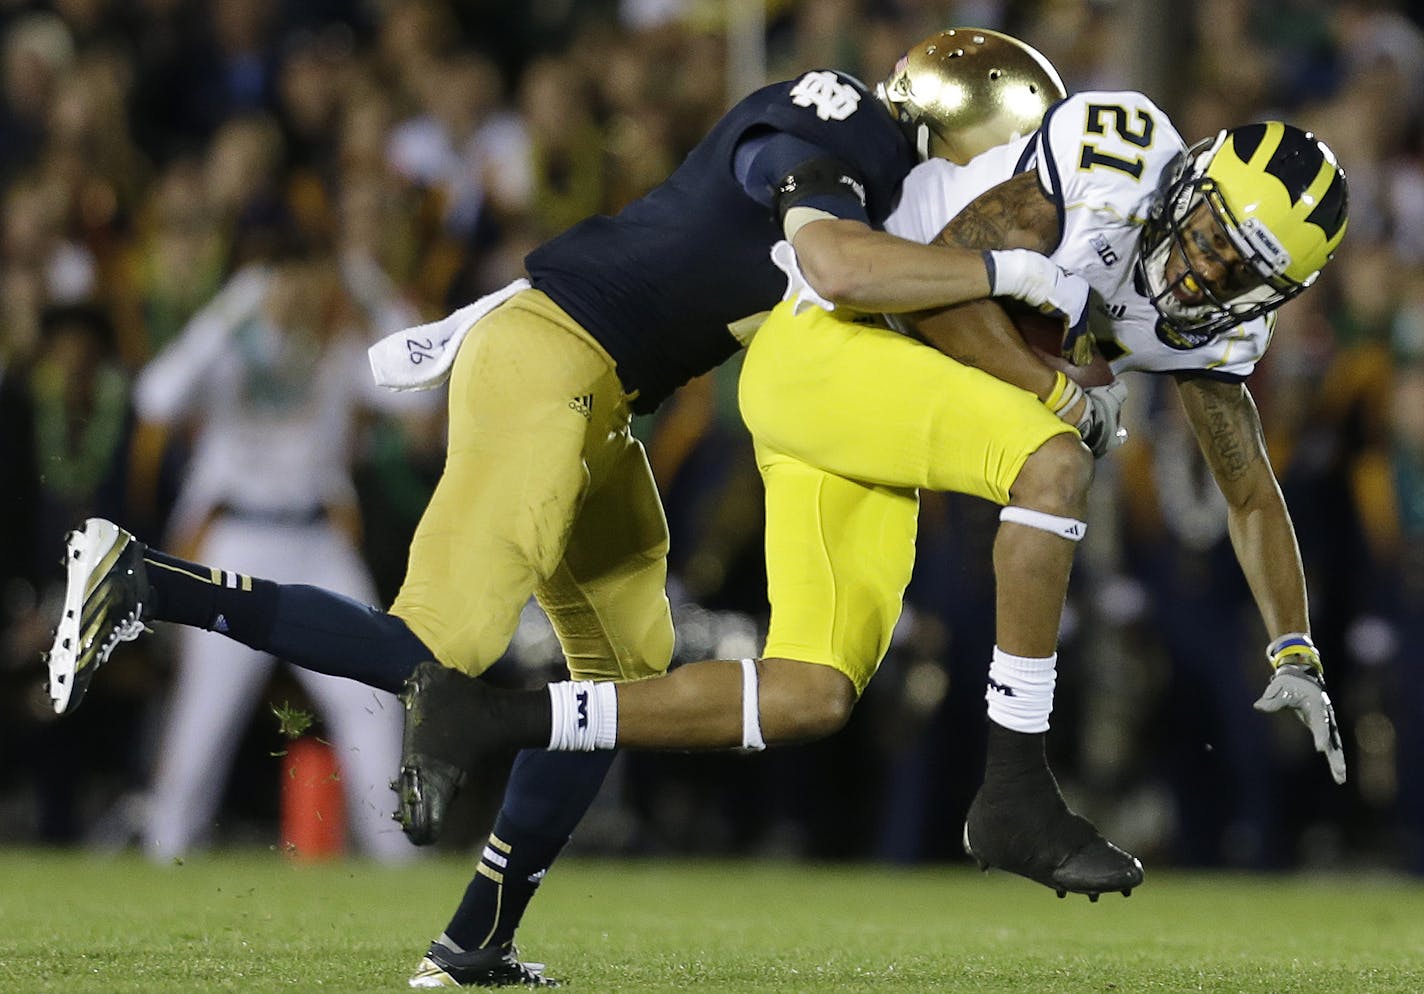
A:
<point x="546" y="797"/>
<point x="329" y="633"/>
<point x="202" y="597"/>
<point x="308" y="626"/>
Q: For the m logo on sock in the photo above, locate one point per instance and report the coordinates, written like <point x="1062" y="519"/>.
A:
<point x="582" y="709"/>
<point x="1001" y="688"/>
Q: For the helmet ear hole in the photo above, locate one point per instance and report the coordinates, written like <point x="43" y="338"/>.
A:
<point x="972" y="88"/>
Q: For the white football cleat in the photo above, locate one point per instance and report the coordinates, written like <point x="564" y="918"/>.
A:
<point x="103" y="605"/>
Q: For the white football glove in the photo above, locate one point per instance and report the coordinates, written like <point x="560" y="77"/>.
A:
<point x="1299" y="684"/>
<point x="1039" y="282"/>
<point x="1101" y="423"/>
<point x="797" y="288"/>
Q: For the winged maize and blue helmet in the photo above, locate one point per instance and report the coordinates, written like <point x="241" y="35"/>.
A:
<point x="1279" y="196"/>
<point x="964" y="90"/>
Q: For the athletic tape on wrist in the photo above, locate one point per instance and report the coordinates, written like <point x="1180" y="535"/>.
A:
<point x="1011" y="274"/>
<point x="1288" y="647"/>
<point x="1064" y="395"/>
<point x="751" y="709"/>
<point x="1069" y="528"/>
<point x="991" y="270"/>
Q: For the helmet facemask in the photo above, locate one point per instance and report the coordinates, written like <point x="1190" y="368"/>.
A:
<point x="1191" y="228"/>
<point x="1209" y="266"/>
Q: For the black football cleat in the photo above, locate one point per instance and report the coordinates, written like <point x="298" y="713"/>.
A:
<point x="449" y="725"/>
<point x="493" y="967"/>
<point x="1019" y="822"/>
<point x="1043" y="840"/>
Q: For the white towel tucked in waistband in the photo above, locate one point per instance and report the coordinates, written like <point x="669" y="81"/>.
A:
<point x="420" y="358"/>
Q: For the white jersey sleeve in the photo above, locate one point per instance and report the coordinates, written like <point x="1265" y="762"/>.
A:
<point x="936" y="190"/>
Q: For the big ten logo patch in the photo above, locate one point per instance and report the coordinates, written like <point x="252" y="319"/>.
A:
<point x="833" y="99"/>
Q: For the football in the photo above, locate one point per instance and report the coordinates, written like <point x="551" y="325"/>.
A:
<point x="1044" y="334"/>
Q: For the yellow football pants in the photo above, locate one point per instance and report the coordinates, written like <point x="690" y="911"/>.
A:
<point x="849" y="420"/>
<point x="545" y="491"/>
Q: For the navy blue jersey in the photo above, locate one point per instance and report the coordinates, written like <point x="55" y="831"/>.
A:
<point x="658" y="283"/>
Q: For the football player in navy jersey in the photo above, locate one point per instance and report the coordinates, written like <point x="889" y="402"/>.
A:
<point x="545" y="491"/>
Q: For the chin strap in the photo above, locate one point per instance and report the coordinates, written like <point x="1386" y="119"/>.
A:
<point x="922" y="131"/>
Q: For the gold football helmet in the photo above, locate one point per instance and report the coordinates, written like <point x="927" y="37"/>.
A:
<point x="965" y="90"/>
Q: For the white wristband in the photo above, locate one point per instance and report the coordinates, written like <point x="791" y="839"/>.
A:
<point x="1022" y="274"/>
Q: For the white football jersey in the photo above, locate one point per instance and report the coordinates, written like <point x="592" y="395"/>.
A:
<point x="1100" y="156"/>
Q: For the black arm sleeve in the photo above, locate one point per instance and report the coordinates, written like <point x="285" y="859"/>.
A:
<point x="782" y="171"/>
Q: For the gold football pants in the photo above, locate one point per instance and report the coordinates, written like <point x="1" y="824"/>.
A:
<point x="849" y="421"/>
<point x="545" y="491"/>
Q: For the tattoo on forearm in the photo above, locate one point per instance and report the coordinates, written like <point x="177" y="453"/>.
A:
<point x="1014" y="214"/>
<point x="1231" y="451"/>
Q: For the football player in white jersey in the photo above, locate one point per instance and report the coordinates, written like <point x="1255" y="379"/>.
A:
<point x="1189" y="252"/>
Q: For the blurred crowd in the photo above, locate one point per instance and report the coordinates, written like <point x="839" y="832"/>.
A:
<point x="150" y="150"/>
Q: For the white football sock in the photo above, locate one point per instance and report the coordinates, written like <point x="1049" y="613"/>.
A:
<point x="1020" y="692"/>
<point x="585" y="716"/>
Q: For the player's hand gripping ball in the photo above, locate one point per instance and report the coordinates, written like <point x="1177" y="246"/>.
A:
<point x="1044" y="334"/>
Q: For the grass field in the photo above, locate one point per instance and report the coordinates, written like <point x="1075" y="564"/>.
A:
<point x="256" y="924"/>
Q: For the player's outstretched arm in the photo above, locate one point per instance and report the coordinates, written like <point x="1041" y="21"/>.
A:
<point x="1228" y="428"/>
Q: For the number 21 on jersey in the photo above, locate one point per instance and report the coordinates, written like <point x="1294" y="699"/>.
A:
<point x="1122" y="131"/>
